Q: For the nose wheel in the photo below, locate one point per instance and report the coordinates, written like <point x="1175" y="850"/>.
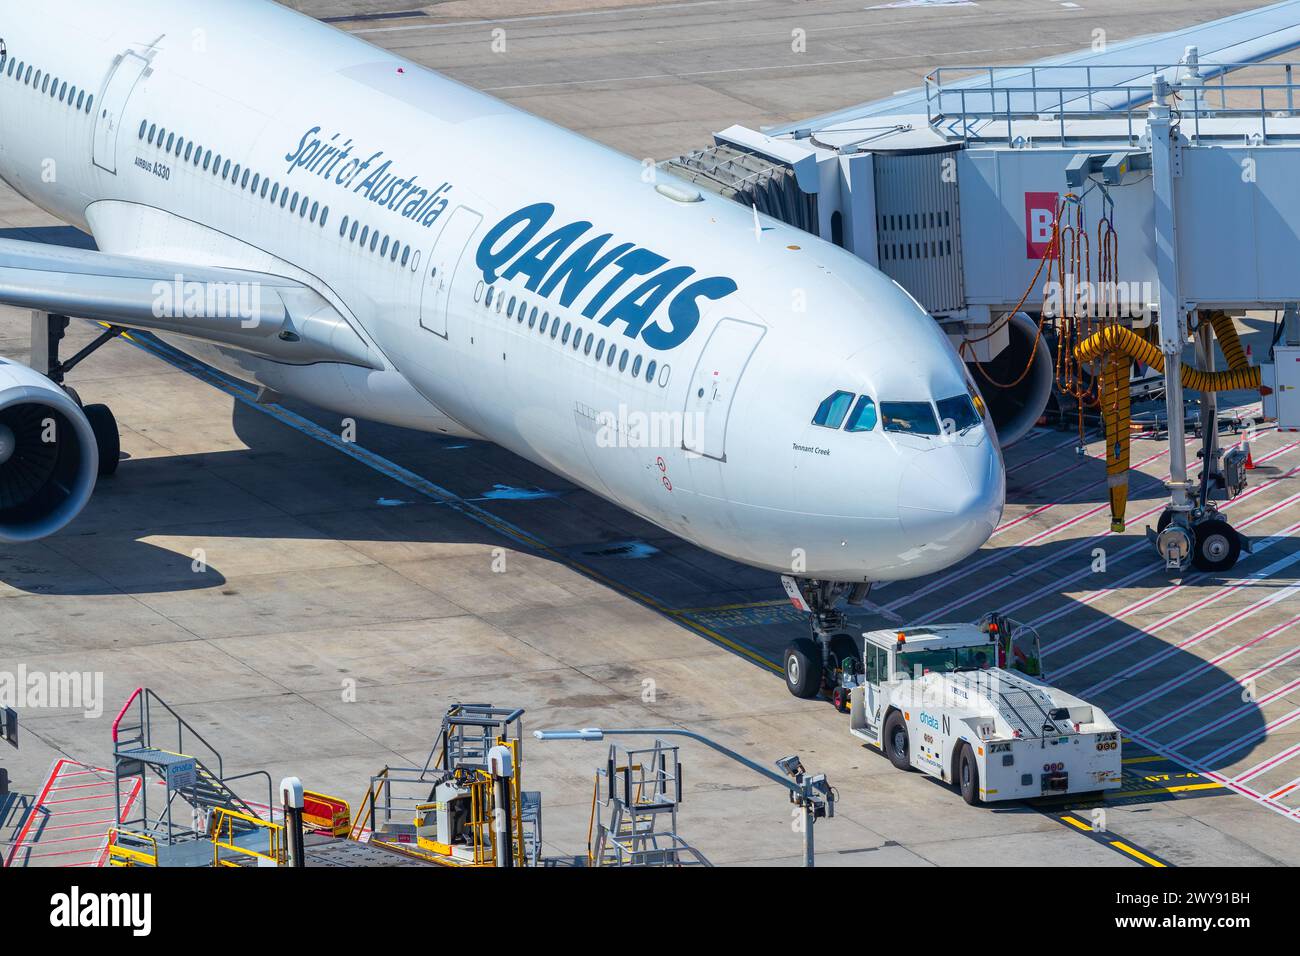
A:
<point x="814" y="665"/>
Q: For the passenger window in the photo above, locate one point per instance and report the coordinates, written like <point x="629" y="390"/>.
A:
<point x="564" y="339"/>
<point x="960" y="411"/>
<point x="831" y="412"/>
<point x="636" y="366"/>
<point x="863" y="418"/>
<point x="650" y="371"/>
<point x="600" y="350"/>
<point x="913" y="418"/>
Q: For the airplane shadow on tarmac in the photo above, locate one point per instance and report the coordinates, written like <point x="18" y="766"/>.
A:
<point x="286" y="485"/>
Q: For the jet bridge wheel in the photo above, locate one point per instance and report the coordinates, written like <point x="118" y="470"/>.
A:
<point x="968" y="775"/>
<point x="803" y="668"/>
<point x="1217" y="546"/>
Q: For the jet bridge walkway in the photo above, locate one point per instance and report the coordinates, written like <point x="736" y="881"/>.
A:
<point x="1065" y="222"/>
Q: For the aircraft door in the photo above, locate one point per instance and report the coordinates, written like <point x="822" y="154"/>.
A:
<point x="713" y="386"/>
<point x="112" y="108"/>
<point x="440" y="271"/>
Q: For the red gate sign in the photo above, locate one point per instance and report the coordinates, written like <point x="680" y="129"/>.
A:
<point x="1040" y="210"/>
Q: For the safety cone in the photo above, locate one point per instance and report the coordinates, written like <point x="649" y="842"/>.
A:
<point x="1250" y="456"/>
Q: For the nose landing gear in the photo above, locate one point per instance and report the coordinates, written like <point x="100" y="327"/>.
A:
<point x="813" y="665"/>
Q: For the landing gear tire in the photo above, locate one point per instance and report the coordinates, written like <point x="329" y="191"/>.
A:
<point x="1166" y="516"/>
<point x="803" y="668"/>
<point x="897" y="744"/>
<point x="1217" y="546"/>
<point x="968" y="776"/>
<point x="104" y="425"/>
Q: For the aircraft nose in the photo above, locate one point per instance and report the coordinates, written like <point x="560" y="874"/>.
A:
<point x="950" y="500"/>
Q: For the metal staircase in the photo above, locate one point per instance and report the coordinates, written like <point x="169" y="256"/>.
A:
<point x="196" y="789"/>
<point x="634" y="811"/>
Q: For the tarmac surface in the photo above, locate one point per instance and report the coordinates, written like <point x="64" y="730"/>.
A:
<point x="313" y="605"/>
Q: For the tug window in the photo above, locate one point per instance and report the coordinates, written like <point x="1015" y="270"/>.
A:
<point x="913" y="418"/>
<point x="959" y="410"/>
<point x="863" y="418"/>
<point x="831" y="412"/>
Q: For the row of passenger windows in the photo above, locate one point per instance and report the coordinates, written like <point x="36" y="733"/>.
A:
<point x="570" y="333"/>
<point x="61" y="90"/>
<point x="912" y="418"/>
<point x="259" y="185"/>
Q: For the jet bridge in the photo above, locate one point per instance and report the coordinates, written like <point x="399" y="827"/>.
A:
<point x="1031" y="209"/>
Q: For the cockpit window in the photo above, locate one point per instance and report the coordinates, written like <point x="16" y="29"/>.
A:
<point x="831" y="412"/>
<point x="912" y="418"/>
<point x="960" y="411"/>
<point x="863" y="418"/>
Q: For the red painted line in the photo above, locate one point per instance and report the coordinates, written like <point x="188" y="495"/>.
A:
<point x="1232" y="716"/>
<point x="1171" y="649"/>
<point x="31" y="814"/>
<point x="1074" y="495"/>
<point x="996" y="556"/>
<point x="1124" y="582"/>
<point x="1281" y="758"/>
<point x="1285" y="790"/>
<point x="1209" y="665"/>
<point x="1254" y="737"/>
<point x="1204" y="771"/>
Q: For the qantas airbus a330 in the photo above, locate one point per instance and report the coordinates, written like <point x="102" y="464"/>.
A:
<point x="330" y="221"/>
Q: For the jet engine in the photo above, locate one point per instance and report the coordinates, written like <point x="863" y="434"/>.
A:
<point x="1016" y="408"/>
<point x="49" y="459"/>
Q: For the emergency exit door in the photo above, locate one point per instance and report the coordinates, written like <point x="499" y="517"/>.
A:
<point x="713" y="386"/>
<point x="112" y="108"/>
<point x="448" y="251"/>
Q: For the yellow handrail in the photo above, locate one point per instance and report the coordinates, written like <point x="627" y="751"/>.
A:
<point x="119" y="855"/>
<point x="223" y="837"/>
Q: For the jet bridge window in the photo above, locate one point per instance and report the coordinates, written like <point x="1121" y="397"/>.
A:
<point x="960" y="411"/>
<point x="863" y="418"/>
<point x="831" y="412"/>
<point x="913" y="418"/>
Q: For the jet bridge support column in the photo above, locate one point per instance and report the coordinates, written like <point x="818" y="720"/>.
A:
<point x="1175" y="542"/>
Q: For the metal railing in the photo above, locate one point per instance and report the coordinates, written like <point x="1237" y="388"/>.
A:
<point x="230" y="825"/>
<point x="968" y="102"/>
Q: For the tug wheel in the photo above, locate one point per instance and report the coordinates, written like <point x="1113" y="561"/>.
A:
<point x="1217" y="546"/>
<point x="968" y="776"/>
<point x="897" y="744"/>
<point x="803" y="668"/>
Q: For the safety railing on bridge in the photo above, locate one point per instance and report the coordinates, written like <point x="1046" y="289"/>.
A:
<point x="983" y="103"/>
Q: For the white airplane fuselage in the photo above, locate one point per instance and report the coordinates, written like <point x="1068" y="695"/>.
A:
<point x="242" y="134"/>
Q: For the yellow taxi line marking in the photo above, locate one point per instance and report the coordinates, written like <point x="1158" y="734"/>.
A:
<point x="1158" y="790"/>
<point x="1077" y="823"/>
<point x="1152" y="759"/>
<point x="1125" y="848"/>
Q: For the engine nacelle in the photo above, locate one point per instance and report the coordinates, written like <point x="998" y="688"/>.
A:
<point x="48" y="456"/>
<point x="1015" y="410"/>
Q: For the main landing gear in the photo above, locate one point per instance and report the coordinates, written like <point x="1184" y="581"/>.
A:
<point x="47" y="335"/>
<point x="814" y="665"/>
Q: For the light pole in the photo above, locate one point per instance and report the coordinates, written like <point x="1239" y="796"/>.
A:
<point x="811" y="793"/>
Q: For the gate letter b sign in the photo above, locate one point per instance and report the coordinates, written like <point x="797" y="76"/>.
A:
<point x="1040" y="208"/>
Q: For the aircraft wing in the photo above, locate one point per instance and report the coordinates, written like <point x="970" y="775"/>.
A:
<point x="1127" y="67"/>
<point x="270" y="316"/>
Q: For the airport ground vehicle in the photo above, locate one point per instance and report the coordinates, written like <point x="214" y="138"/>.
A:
<point x="967" y="703"/>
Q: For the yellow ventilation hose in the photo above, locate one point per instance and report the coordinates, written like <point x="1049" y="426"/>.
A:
<point x="1117" y="347"/>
